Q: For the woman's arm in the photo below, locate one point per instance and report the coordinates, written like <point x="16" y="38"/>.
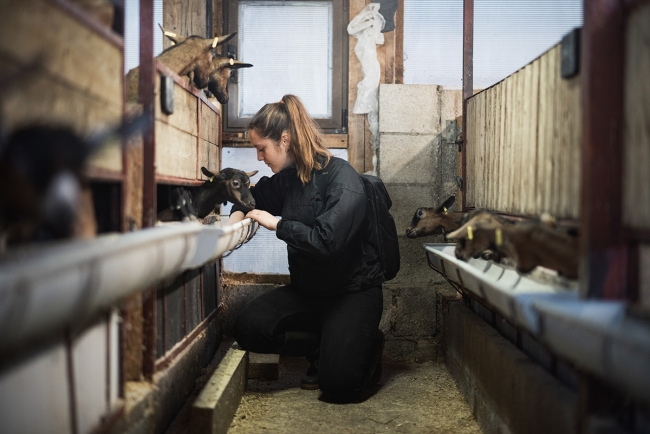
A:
<point x="345" y="207"/>
<point x="235" y="217"/>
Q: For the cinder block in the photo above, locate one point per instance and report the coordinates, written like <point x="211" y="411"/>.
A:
<point x="408" y="159"/>
<point x="214" y="409"/>
<point x="409" y="108"/>
<point x="263" y="366"/>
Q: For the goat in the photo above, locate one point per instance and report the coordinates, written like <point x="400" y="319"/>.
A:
<point x="44" y="187"/>
<point x="194" y="56"/>
<point x="434" y="221"/>
<point x="528" y="244"/>
<point x="229" y="185"/>
<point x="181" y="207"/>
<point x="472" y="240"/>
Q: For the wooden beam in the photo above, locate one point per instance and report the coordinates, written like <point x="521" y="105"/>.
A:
<point x="604" y="255"/>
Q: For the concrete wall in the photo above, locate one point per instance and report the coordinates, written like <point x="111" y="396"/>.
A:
<point x="418" y="125"/>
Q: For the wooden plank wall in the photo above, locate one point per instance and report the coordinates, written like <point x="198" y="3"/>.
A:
<point x="184" y="17"/>
<point x="524" y="136"/>
<point x="68" y="88"/>
<point x="636" y="163"/>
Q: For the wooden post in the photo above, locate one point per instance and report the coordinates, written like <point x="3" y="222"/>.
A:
<point x="604" y="254"/>
<point x="468" y="84"/>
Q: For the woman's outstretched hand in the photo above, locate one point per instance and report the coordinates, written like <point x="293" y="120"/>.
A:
<point x="265" y="219"/>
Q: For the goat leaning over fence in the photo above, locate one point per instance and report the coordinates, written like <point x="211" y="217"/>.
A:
<point x="196" y="58"/>
<point x="528" y="244"/>
<point x="229" y="185"/>
<point x="434" y="221"/>
<point x="472" y="240"/>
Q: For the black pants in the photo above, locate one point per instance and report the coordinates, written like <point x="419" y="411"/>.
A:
<point x="346" y="323"/>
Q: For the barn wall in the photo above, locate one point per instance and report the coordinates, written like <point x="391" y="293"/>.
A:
<point x="523" y="142"/>
<point x="418" y="125"/>
<point x="66" y="88"/>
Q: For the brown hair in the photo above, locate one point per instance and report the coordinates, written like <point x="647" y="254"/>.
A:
<point x="306" y="137"/>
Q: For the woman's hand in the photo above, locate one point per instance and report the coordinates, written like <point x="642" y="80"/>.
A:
<point x="265" y="219"/>
<point x="235" y="217"/>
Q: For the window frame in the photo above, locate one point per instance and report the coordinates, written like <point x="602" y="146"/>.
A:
<point x="337" y="124"/>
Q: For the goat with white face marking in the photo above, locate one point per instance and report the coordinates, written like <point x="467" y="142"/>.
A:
<point x="474" y="238"/>
<point x="434" y="221"/>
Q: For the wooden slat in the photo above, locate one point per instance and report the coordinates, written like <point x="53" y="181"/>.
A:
<point x="184" y="17"/>
<point x="636" y="175"/>
<point x="208" y="156"/>
<point x="356" y="123"/>
<point x="209" y="124"/>
<point x="175" y="152"/>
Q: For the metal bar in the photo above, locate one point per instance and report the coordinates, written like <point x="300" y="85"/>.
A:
<point x="603" y="251"/>
<point x="149" y="333"/>
<point x="147" y="80"/>
<point x="468" y="83"/>
<point x="165" y="361"/>
<point x="178" y="181"/>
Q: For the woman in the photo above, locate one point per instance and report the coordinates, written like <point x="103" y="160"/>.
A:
<point x="331" y="310"/>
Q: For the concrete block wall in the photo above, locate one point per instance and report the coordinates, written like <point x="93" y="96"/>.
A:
<point x="417" y="160"/>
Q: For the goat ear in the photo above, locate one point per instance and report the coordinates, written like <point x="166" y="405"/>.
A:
<point x="446" y="205"/>
<point x="176" y="39"/>
<point x="207" y="173"/>
<point x="253" y="173"/>
<point x="217" y="40"/>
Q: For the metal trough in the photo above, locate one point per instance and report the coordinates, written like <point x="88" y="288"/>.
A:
<point x="45" y="288"/>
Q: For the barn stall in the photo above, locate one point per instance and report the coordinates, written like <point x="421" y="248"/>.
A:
<point x="130" y="334"/>
<point x="73" y="309"/>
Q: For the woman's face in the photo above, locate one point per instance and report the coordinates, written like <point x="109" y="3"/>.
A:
<point x="273" y="154"/>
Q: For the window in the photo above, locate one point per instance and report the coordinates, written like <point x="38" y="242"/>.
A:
<point x="297" y="47"/>
<point x="507" y="35"/>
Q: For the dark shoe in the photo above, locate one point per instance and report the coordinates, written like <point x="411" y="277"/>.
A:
<point x="375" y="365"/>
<point x="309" y="381"/>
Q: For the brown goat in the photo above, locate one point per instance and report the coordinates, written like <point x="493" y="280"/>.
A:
<point x="434" y="221"/>
<point x="194" y="57"/>
<point x="528" y="244"/>
<point x="472" y="240"/>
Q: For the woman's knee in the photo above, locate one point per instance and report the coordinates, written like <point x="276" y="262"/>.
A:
<point x="341" y="386"/>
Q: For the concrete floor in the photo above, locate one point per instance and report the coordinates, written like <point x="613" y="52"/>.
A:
<point x="410" y="398"/>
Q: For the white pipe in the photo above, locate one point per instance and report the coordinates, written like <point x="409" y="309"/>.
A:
<point x="45" y="288"/>
<point x="596" y="335"/>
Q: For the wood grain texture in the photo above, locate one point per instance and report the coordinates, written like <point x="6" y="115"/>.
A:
<point x="524" y="136"/>
<point x="78" y="79"/>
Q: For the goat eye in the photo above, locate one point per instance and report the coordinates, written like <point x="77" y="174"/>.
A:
<point x="420" y="213"/>
<point x="235" y="184"/>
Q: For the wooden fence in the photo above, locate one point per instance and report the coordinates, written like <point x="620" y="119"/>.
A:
<point x="523" y="142"/>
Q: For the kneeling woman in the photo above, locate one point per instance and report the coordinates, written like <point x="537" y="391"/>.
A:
<point x="330" y="311"/>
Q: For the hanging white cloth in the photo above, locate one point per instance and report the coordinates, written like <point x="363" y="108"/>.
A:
<point x="367" y="27"/>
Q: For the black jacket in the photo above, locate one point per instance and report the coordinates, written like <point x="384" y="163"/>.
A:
<point x="323" y="239"/>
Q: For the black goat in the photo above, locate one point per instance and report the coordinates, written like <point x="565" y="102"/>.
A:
<point x="43" y="182"/>
<point x="229" y="185"/>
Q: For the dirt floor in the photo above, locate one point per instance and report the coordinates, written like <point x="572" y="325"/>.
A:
<point x="410" y="398"/>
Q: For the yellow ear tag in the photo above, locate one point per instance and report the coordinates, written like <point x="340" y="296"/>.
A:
<point x="470" y="233"/>
<point x="214" y="41"/>
<point x="444" y="209"/>
<point x="498" y="238"/>
<point x="211" y="178"/>
<point x="232" y="62"/>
